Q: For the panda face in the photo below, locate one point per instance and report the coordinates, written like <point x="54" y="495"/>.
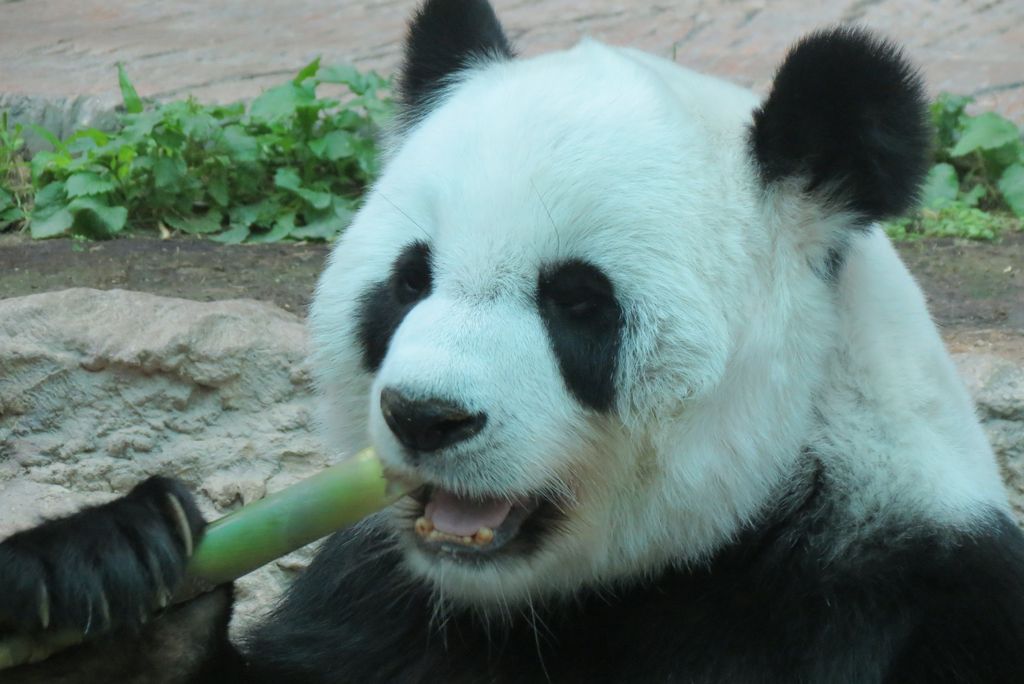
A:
<point x="589" y="303"/>
<point x="538" y="278"/>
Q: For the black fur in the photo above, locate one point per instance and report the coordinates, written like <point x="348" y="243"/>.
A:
<point x="444" y="38"/>
<point x="104" y="568"/>
<point x="908" y="603"/>
<point x="913" y="603"/>
<point x="584" y="322"/>
<point x="384" y="305"/>
<point x="187" y="643"/>
<point x="848" y="114"/>
<point x="423" y="425"/>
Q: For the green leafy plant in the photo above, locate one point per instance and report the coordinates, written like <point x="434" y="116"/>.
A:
<point x="15" y="188"/>
<point x="293" y="164"/>
<point x="976" y="187"/>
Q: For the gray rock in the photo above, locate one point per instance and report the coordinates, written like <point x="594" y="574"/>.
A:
<point x="99" y="389"/>
<point x="62" y="116"/>
<point x="992" y="364"/>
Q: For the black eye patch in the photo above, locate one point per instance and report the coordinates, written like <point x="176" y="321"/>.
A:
<point x="577" y="303"/>
<point x="384" y="305"/>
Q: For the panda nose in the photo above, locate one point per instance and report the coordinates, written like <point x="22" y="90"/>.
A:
<point x="428" y="424"/>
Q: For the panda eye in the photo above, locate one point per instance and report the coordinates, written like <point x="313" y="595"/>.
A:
<point x="575" y="302"/>
<point x="411" y="278"/>
<point x="576" y="289"/>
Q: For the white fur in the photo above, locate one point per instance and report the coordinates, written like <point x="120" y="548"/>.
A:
<point x="731" y="342"/>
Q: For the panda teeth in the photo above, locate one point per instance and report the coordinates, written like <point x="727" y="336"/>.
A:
<point x="484" y="536"/>
<point x="424" y="526"/>
<point x="425" y="529"/>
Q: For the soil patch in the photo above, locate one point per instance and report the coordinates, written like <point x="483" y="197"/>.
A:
<point x="192" y="268"/>
<point x="969" y="284"/>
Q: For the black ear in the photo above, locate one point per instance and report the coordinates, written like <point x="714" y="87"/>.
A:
<point x="847" y="114"/>
<point x="444" y="38"/>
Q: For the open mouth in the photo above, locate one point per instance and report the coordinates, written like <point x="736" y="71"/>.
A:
<point x="468" y="528"/>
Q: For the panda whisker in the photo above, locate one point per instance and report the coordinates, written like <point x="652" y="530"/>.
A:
<point x="401" y="211"/>
<point x="537" y="638"/>
<point x="547" y="211"/>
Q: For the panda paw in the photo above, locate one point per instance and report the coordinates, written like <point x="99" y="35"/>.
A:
<point x="105" y="568"/>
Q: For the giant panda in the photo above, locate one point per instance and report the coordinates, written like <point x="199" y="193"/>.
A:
<point x="676" y="410"/>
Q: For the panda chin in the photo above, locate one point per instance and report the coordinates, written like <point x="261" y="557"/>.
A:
<point x="451" y="527"/>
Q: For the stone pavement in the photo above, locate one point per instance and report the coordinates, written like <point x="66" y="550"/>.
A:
<point x="58" y="57"/>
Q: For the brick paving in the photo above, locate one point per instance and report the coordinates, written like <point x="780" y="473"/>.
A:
<point x="60" y="50"/>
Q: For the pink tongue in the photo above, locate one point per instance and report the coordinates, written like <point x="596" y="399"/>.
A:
<point x="463" y="517"/>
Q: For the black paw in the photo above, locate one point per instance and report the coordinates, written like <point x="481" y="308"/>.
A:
<point x="107" y="567"/>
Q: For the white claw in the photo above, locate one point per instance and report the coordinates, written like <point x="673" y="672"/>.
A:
<point x="182" y="521"/>
<point x="44" y="605"/>
<point x="162" y="594"/>
<point x="105" y="610"/>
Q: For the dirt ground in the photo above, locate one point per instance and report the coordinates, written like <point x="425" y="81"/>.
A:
<point x="969" y="285"/>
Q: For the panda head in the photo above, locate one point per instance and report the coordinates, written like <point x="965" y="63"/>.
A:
<point x="588" y="301"/>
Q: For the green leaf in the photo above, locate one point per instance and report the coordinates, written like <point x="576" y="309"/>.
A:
<point x="1011" y="184"/>
<point x="997" y="159"/>
<point x="381" y="112"/>
<point x="288" y="179"/>
<point x="247" y="214"/>
<point x="281" y="102"/>
<point x="327" y="225"/>
<point x="125" y="161"/>
<point x="366" y="158"/>
<point x="132" y="101"/>
<point x="317" y="200"/>
<point x="139" y="127"/>
<point x="984" y="132"/>
<point x="300" y="155"/>
<point x="210" y="222"/>
<point x="333" y="146"/>
<point x="283" y="226"/>
<point x="6" y="199"/>
<point x="169" y="139"/>
<point x="44" y="163"/>
<point x="307" y="71"/>
<point x="233" y="236"/>
<point x="218" y="190"/>
<point x="49" y="137"/>
<point x="972" y="196"/>
<point x="11" y="215"/>
<point x="235" y="110"/>
<point x="50" y="223"/>
<point x="168" y="172"/>
<point x="85" y="141"/>
<point x="199" y="125"/>
<point x="87" y="183"/>
<point x="947" y="110"/>
<point x="242" y="146"/>
<point x="49" y="195"/>
<point x="941" y="186"/>
<point x="93" y="217"/>
<point x="346" y="75"/>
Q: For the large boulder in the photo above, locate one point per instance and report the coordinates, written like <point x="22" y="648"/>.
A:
<point x="99" y="389"/>
<point x="992" y="364"/>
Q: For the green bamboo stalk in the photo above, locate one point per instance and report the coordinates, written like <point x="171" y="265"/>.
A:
<point x="267" y="529"/>
<point x="252" y="536"/>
